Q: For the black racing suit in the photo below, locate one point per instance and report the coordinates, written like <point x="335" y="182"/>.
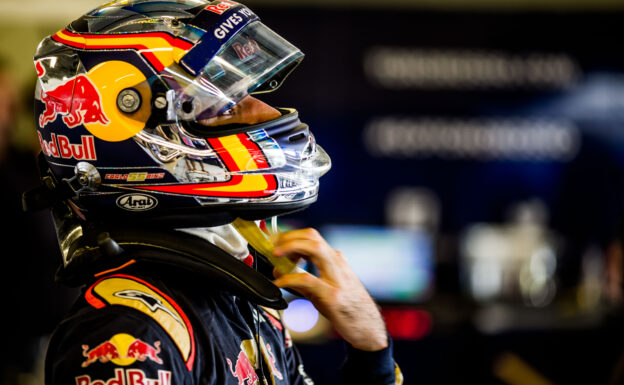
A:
<point x="130" y="327"/>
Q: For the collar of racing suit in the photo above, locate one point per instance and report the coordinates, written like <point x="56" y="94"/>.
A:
<point x="224" y="237"/>
<point x="213" y="255"/>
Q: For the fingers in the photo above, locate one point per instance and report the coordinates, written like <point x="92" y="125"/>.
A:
<point x="309" y="249"/>
<point x="305" y="283"/>
<point x="337" y="293"/>
<point x="308" y="233"/>
<point x="309" y="244"/>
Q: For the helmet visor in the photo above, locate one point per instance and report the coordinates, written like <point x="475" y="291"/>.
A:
<point x="254" y="60"/>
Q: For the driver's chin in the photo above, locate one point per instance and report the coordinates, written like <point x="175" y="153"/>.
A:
<point x="248" y="111"/>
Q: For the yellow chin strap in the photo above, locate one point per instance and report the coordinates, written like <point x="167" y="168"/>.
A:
<point x="259" y="241"/>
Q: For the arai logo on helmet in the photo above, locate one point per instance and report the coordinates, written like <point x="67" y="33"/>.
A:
<point x="136" y="202"/>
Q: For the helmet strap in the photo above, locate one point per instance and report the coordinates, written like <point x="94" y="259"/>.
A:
<point x="259" y="241"/>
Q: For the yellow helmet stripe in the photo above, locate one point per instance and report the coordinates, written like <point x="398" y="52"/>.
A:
<point x="160" y="49"/>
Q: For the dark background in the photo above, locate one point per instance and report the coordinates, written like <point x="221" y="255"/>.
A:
<point x="562" y="342"/>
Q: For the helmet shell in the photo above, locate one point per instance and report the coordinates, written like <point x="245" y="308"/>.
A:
<point x="120" y="97"/>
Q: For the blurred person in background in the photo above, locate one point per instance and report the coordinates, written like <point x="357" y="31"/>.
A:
<point x="8" y="110"/>
<point x="32" y="303"/>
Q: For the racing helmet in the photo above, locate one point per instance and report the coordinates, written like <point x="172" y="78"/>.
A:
<point x="122" y="97"/>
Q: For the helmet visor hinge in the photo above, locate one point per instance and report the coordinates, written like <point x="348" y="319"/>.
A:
<point x="86" y="178"/>
<point x="129" y="100"/>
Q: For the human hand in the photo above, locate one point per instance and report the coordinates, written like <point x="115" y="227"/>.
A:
<point x="337" y="293"/>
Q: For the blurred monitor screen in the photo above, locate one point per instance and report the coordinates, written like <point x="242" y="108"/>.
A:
<point x="395" y="265"/>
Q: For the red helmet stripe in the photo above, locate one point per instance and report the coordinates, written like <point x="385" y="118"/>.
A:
<point x="149" y="44"/>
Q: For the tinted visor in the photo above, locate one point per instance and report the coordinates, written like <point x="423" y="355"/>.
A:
<point x="254" y="60"/>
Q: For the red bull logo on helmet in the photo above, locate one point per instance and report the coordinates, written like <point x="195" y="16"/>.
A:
<point x="246" y="50"/>
<point x="122" y="349"/>
<point x="221" y="7"/>
<point x="59" y="146"/>
<point x="77" y="100"/>
<point x="128" y="377"/>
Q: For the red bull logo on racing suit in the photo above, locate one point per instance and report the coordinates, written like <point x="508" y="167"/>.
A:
<point x="246" y="362"/>
<point x="128" y="377"/>
<point x="122" y="349"/>
<point x="271" y="360"/>
<point x="243" y="370"/>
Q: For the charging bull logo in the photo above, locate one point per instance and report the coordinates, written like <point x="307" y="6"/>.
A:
<point x="104" y="352"/>
<point x="77" y="100"/>
<point x="123" y="350"/>
<point x="243" y="370"/>
<point x="247" y="361"/>
<point x="271" y="360"/>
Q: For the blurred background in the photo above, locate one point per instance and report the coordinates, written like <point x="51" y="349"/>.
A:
<point x="478" y="158"/>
